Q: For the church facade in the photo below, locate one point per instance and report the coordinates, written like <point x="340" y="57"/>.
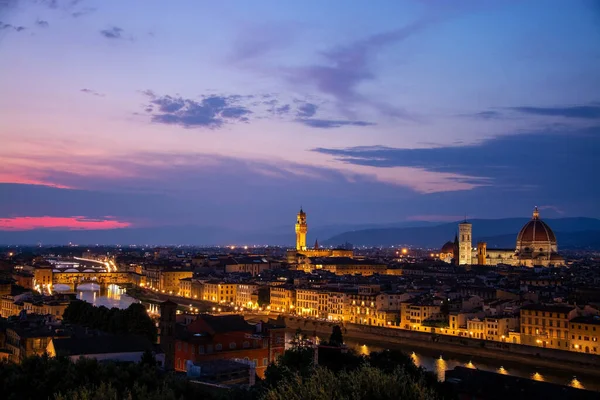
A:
<point x="535" y="246"/>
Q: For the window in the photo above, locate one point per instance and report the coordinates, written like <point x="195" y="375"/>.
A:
<point x="179" y="346"/>
<point x="232" y="345"/>
<point x="265" y="362"/>
<point x="219" y="347"/>
<point x="255" y="361"/>
<point x="193" y="349"/>
<point x="185" y="347"/>
<point x="200" y="349"/>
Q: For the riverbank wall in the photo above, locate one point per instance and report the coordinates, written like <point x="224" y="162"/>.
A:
<point x="534" y="356"/>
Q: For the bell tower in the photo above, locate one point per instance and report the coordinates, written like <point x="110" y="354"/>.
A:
<point x="301" y="229"/>
<point x="465" y="244"/>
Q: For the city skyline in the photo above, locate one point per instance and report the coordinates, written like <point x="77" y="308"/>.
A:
<point x="234" y="115"/>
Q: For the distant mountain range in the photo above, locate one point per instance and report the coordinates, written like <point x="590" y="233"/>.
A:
<point x="186" y="235"/>
<point x="502" y="233"/>
<point x="570" y="232"/>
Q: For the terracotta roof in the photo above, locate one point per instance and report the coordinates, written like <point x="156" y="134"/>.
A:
<point x="536" y="230"/>
<point x="560" y="308"/>
<point x="226" y="323"/>
<point x="448" y="247"/>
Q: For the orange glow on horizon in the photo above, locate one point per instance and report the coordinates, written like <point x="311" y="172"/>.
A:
<point x="47" y="222"/>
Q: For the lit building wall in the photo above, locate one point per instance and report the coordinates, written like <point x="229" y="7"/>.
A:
<point x="243" y="296"/>
<point x="546" y="325"/>
<point x="282" y="299"/>
<point x="585" y="335"/>
<point x="307" y="302"/>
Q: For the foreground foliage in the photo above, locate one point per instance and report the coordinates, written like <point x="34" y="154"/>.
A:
<point x="366" y="382"/>
<point x="340" y="375"/>
<point x="59" y="378"/>
<point x="133" y="320"/>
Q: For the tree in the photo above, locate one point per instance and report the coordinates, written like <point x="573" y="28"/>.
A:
<point x="365" y="382"/>
<point x="133" y="320"/>
<point x="87" y="379"/>
<point x="264" y="296"/>
<point x="299" y="361"/>
<point x="148" y="359"/>
<point x="336" y="338"/>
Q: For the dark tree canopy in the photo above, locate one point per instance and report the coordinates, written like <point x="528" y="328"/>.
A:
<point x="336" y="338"/>
<point x="59" y="378"/>
<point x="134" y="320"/>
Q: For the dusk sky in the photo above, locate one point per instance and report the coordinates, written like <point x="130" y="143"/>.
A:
<point x="124" y="113"/>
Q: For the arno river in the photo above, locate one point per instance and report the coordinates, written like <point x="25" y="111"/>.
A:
<point x="114" y="296"/>
<point x="101" y="295"/>
<point x="440" y="363"/>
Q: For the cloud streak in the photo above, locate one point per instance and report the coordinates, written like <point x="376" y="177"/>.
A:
<point x="307" y="110"/>
<point x="328" y="123"/>
<point x="344" y="68"/>
<point x="4" y="26"/>
<point x="92" y="92"/>
<point x="591" y="111"/>
<point x="210" y="112"/>
<point x="113" y="33"/>
<point x="526" y="161"/>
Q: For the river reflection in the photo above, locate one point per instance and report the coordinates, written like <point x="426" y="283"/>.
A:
<point x="105" y="295"/>
<point x="440" y="363"/>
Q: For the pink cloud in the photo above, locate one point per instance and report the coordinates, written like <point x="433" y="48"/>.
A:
<point x="436" y="218"/>
<point x="71" y="223"/>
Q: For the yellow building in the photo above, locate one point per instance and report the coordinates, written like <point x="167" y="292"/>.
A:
<point x="185" y="287"/>
<point x="219" y="292"/>
<point x="414" y="313"/>
<point x="169" y="279"/>
<point x="476" y="328"/>
<point x="9" y="307"/>
<point x="311" y="302"/>
<point x="362" y="307"/>
<point x="546" y="325"/>
<point x="27" y="342"/>
<point x="337" y="309"/>
<point x="197" y="289"/>
<point x="211" y="291"/>
<point x="43" y="276"/>
<point x="244" y="293"/>
<point x="283" y="298"/>
<point x="498" y="328"/>
<point x="345" y="266"/>
<point x="585" y="334"/>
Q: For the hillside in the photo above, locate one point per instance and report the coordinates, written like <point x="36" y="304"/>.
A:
<point x="496" y="232"/>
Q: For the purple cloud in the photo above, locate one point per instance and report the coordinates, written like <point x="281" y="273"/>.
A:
<point x="113" y="33"/>
<point x="345" y="67"/>
<point x="328" y="123"/>
<point x="4" y="26"/>
<point x="307" y="110"/>
<point x="92" y="92"/>
<point x="42" y="23"/>
<point x="211" y="112"/>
